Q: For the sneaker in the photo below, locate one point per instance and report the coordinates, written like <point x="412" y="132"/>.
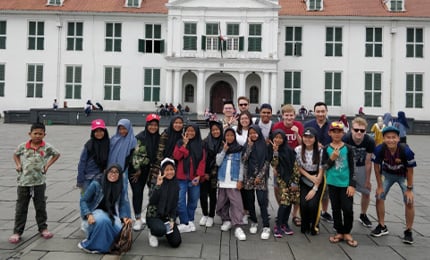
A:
<point x="245" y="220"/>
<point x="226" y="226"/>
<point x="253" y="228"/>
<point x="192" y="226"/>
<point x="277" y="232"/>
<point x="287" y="230"/>
<point x="210" y="222"/>
<point x="239" y="234"/>
<point x="137" y="226"/>
<point x="379" y="231"/>
<point x="143" y="220"/>
<point x="153" y="240"/>
<point x="80" y="246"/>
<point x="407" y="239"/>
<point x="265" y="234"/>
<point x="327" y="217"/>
<point x="185" y="228"/>
<point x="203" y="221"/>
<point x="364" y="220"/>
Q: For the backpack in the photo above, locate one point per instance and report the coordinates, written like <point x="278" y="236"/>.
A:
<point x="123" y="241"/>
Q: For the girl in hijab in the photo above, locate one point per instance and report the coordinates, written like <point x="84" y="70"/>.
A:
<point x="344" y="120"/>
<point x="191" y="158"/>
<point x="161" y="212"/>
<point x="143" y="159"/>
<point x="104" y="206"/>
<point x="208" y="187"/>
<point x="255" y="179"/>
<point x="283" y="163"/>
<point x="402" y="124"/>
<point x="94" y="156"/>
<point x="388" y="119"/>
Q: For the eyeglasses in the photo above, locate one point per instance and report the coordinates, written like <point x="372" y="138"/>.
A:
<point x="113" y="172"/>
<point x="243" y="104"/>
<point x="359" y="130"/>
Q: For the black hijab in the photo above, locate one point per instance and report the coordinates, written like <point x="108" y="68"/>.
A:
<point x="212" y="145"/>
<point x="150" y="141"/>
<point x="286" y="156"/>
<point x="169" y="195"/>
<point x="111" y="192"/>
<point x="195" y="148"/>
<point x="98" y="149"/>
<point x="258" y="155"/>
<point x="233" y="147"/>
<point x="172" y="138"/>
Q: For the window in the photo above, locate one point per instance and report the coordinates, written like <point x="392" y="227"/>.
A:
<point x="36" y="35"/>
<point x="293" y="41"/>
<point x="396" y="5"/>
<point x="333" y="45"/>
<point x="2" y="79"/>
<point x="190" y="36"/>
<point x="132" y="3"/>
<point x="332" y="92"/>
<point x="314" y="5"/>
<point x="54" y="2"/>
<point x="112" y="83"/>
<point x="414" y="90"/>
<point x="211" y="40"/>
<point x="34" y="80"/>
<point x="253" y="95"/>
<point x="152" y="42"/>
<point x="292" y="89"/>
<point x="254" y="38"/>
<point x="75" y="36"/>
<point x="151" y="88"/>
<point x="372" y="89"/>
<point x="234" y="42"/>
<point x="189" y="93"/>
<point x="373" y="42"/>
<point x="2" y="34"/>
<point x="113" y="37"/>
<point x="73" y="82"/>
<point x="414" y="42"/>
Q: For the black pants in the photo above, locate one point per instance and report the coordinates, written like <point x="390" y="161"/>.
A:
<point x="310" y="209"/>
<point x="262" y="199"/>
<point x="137" y="189"/>
<point x="206" y="190"/>
<point x="21" y="210"/>
<point x="158" y="229"/>
<point x="341" y="205"/>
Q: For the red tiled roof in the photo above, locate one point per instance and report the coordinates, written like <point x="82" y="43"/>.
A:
<point x="414" y="8"/>
<point x="117" y="6"/>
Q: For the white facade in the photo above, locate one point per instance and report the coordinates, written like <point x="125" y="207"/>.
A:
<point x="212" y="75"/>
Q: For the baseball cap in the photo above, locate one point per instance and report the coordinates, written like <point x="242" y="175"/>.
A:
<point x="310" y="131"/>
<point x="98" y="123"/>
<point x="390" y="129"/>
<point x="336" y="125"/>
<point x="152" y="117"/>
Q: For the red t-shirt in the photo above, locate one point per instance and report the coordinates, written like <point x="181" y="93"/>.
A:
<point x="291" y="137"/>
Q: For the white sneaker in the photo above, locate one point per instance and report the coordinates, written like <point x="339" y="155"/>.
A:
<point x="245" y="219"/>
<point x="184" y="228"/>
<point x="137" y="226"/>
<point x="192" y="226"/>
<point x="239" y="234"/>
<point x="253" y="228"/>
<point x="210" y="222"/>
<point x="265" y="234"/>
<point x="203" y="221"/>
<point x="143" y="220"/>
<point x="226" y="226"/>
<point x="153" y="240"/>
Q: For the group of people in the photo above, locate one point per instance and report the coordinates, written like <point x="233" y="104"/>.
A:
<point x="226" y="171"/>
<point x="170" y="109"/>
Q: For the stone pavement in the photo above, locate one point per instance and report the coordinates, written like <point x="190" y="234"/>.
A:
<point x="205" y="243"/>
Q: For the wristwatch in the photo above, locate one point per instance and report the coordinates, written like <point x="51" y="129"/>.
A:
<point x="315" y="188"/>
<point x="409" y="187"/>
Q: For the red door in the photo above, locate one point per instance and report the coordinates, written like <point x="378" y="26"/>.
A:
<point x="220" y="92"/>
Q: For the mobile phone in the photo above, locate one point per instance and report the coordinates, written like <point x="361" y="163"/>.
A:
<point x="168" y="229"/>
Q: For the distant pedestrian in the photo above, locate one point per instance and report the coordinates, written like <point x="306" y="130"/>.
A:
<point x="402" y="124"/>
<point x="32" y="159"/>
<point x="344" y="120"/>
<point x="377" y="130"/>
<point x="303" y="112"/>
<point x="88" y="107"/>
<point x="55" y="104"/>
<point x="388" y="119"/>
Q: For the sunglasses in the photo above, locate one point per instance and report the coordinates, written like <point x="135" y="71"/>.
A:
<point x="243" y="104"/>
<point x="359" y="130"/>
<point x="337" y="124"/>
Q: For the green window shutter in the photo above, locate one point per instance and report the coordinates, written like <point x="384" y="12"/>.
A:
<point x="1" y="89"/>
<point x="328" y="80"/>
<point x="378" y="82"/>
<point x="31" y="43"/>
<point x="40" y="43"/>
<point x="79" y="29"/>
<point x="418" y="82"/>
<point x="32" y="28"/>
<point x="378" y="50"/>
<point x="116" y="93"/>
<point x="241" y="43"/>
<point x="297" y="79"/>
<point x="108" y="75"/>
<point x="203" y="42"/>
<point x="117" y="45"/>
<point x="39" y="73"/>
<point x="289" y="47"/>
<point x="69" y="91"/>
<point x="287" y="97"/>
<point x="156" y="94"/>
<point x="148" y="31"/>
<point x="69" y="74"/>
<point x="328" y="49"/>
<point x="419" y="100"/>
<point x="108" y="44"/>
<point x="327" y="98"/>
<point x="147" y="94"/>
<point x="409" y="82"/>
<point x="409" y="100"/>
<point x="296" y="97"/>
<point x="148" y="77"/>
<point x="78" y="91"/>
<point x="288" y="79"/>
<point x="156" y="77"/>
<point x="337" y="81"/>
<point x="109" y="30"/>
<point x="298" y="49"/>
<point x="108" y="92"/>
<point x="79" y="44"/>
<point x="369" y="34"/>
<point x="367" y="99"/>
<point x="118" y="28"/>
<point x="224" y="45"/>
<point x="162" y="46"/>
<point x="378" y="34"/>
<point x="419" y="51"/>
<point x="157" y="31"/>
<point x="288" y="33"/>
<point x="369" y="50"/>
<point x="377" y="99"/>
<point x="141" y="44"/>
<point x="329" y="34"/>
<point x="368" y="81"/>
<point x="338" y="49"/>
<point x="409" y="50"/>
<point x="116" y="76"/>
<point x="39" y="90"/>
<point x="30" y="90"/>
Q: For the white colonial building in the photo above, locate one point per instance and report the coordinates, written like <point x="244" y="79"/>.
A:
<point x="132" y="54"/>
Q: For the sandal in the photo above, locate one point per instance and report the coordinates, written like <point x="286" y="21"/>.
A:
<point x="297" y="221"/>
<point x="336" y="238"/>
<point x="350" y="241"/>
<point x="46" y="234"/>
<point x="14" y="239"/>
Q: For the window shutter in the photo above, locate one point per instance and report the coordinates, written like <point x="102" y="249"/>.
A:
<point x="204" y="42"/>
<point x="141" y="44"/>
<point x="298" y="49"/>
<point x="241" y="43"/>
<point x="162" y="46"/>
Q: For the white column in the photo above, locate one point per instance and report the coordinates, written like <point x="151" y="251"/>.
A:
<point x="177" y="88"/>
<point x="169" y="86"/>
<point x="241" y="86"/>
<point x="274" y="92"/>
<point x="265" y="88"/>
<point x="200" y="93"/>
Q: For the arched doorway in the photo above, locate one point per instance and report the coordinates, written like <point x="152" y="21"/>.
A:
<point x="220" y="92"/>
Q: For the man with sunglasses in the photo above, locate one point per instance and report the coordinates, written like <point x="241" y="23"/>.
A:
<point x="243" y="104"/>
<point x="363" y="146"/>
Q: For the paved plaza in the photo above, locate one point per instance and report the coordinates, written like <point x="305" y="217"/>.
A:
<point x="205" y="243"/>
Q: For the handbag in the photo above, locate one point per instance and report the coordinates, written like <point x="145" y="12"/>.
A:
<point x="306" y="181"/>
<point x="124" y="239"/>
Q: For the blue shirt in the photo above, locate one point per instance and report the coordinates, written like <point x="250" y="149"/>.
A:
<point x="323" y="136"/>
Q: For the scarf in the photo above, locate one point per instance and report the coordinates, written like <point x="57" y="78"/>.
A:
<point x="98" y="149"/>
<point x="258" y="155"/>
<point x="286" y="156"/>
<point x="233" y="147"/>
<point x="172" y="138"/>
<point x="212" y="144"/>
<point x="150" y="141"/>
<point x="121" y="146"/>
<point x="111" y="192"/>
<point x="195" y="148"/>
<point x="169" y="195"/>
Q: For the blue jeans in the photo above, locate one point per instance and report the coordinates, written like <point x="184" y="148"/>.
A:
<point x="188" y="197"/>
<point x="388" y="180"/>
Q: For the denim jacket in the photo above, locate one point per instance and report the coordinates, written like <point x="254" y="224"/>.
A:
<point x="87" y="168"/>
<point x="94" y="195"/>
<point x="236" y="170"/>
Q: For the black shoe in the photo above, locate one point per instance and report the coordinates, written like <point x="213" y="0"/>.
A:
<point x="407" y="239"/>
<point x="364" y="220"/>
<point x="379" y="231"/>
<point x="327" y="217"/>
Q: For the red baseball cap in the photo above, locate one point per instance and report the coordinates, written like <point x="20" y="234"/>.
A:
<point x="152" y="117"/>
<point x="98" y="123"/>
